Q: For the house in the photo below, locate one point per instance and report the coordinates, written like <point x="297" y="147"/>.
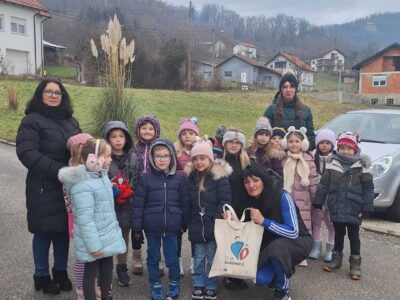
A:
<point x="331" y="61"/>
<point x="203" y="69"/>
<point x="379" y="76"/>
<point x="21" y="36"/>
<point x="53" y="53"/>
<point x="282" y="62"/>
<point x="242" y="69"/>
<point x="245" y="49"/>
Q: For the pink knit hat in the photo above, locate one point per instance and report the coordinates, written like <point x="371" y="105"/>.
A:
<point x="80" y="138"/>
<point x="202" y="147"/>
<point x="186" y="123"/>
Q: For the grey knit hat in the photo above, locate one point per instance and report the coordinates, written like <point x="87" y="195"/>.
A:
<point x="263" y="124"/>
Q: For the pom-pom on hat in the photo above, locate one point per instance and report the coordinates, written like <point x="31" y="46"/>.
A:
<point x="263" y="124"/>
<point x="80" y="138"/>
<point x="190" y="124"/>
<point x="202" y="146"/>
<point x="349" y="138"/>
<point x="288" y="76"/>
<point x="325" y="135"/>
<point x="278" y="131"/>
<point x="231" y="135"/>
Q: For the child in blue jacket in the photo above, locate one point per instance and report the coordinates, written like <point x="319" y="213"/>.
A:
<point x="161" y="209"/>
<point x="97" y="235"/>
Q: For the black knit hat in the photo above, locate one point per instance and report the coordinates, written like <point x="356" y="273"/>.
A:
<point x="288" y="76"/>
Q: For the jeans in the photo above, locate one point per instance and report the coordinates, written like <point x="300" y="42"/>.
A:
<point x="170" y="248"/>
<point x="203" y="252"/>
<point x="41" y="246"/>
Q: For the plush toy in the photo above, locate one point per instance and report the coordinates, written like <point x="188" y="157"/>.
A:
<point x="125" y="190"/>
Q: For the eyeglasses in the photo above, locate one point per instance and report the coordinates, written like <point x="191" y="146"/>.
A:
<point x="234" y="142"/>
<point x="50" y="93"/>
<point x="162" y="157"/>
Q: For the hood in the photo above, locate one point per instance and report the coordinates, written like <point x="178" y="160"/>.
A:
<point x="377" y="150"/>
<point x="71" y="175"/>
<point x="220" y="169"/>
<point x="152" y="120"/>
<point x="171" y="148"/>
<point x="118" y="125"/>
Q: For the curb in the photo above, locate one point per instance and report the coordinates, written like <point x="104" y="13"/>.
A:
<point x="7" y="142"/>
<point x="381" y="231"/>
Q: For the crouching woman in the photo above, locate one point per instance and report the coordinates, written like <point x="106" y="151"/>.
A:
<point x="286" y="240"/>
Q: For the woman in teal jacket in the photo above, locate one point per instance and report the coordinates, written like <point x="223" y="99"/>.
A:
<point x="288" y="110"/>
<point x="97" y="235"/>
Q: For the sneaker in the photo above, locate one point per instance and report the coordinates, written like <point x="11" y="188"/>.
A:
<point x="156" y="291"/>
<point x="210" y="295"/>
<point x="198" y="293"/>
<point x="230" y="284"/>
<point x="173" y="289"/>
<point x="122" y="275"/>
<point x="281" y="295"/>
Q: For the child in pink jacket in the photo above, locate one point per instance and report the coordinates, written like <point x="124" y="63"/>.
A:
<point x="300" y="173"/>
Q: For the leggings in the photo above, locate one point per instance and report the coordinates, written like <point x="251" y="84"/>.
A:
<point x="105" y="267"/>
<point x="317" y="217"/>
<point x="353" y="232"/>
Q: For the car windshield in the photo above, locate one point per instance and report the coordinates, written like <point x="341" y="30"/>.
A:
<point x="372" y="127"/>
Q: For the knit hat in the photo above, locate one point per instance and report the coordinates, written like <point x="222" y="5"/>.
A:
<point x="219" y="133"/>
<point x="232" y="135"/>
<point x="80" y="138"/>
<point x="288" y="76"/>
<point x="202" y="147"/>
<point x="278" y="131"/>
<point x="263" y="124"/>
<point x="325" y="135"/>
<point x="190" y="124"/>
<point x="349" y="138"/>
<point x="305" y="144"/>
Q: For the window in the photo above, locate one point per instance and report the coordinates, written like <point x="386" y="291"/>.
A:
<point x="18" y="25"/>
<point x="1" y="22"/>
<point x="228" y="73"/>
<point x="374" y="100"/>
<point x="280" y="65"/>
<point x="396" y="63"/>
<point x="379" y="80"/>
<point x="389" y="101"/>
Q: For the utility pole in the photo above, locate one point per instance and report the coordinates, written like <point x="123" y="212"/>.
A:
<point x="213" y="53"/>
<point x="340" y="86"/>
<point x="189" y="54"/>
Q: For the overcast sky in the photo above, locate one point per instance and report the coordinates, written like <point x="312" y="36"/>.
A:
<point x="318" y="12"/>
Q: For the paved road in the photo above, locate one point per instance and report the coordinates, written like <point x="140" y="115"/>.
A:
<point x="381" y="259"/>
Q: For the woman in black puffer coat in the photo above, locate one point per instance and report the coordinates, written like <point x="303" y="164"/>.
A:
<point x="41" y="147"/>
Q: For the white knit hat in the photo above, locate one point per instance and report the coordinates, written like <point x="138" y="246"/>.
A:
<point x="325" y="135"/>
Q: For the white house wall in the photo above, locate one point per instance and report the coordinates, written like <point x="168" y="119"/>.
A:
<point x="17" y="44"/>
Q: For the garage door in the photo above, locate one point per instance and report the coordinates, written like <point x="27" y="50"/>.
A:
<point x="17" y="62"/>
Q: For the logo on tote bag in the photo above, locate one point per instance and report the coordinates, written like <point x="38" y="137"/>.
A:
<point x="239" y="250"/>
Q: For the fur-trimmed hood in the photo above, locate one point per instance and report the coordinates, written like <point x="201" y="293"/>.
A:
<point x="364" y="163"/>
<point x="71" y="175"/>
<point x="220" y="169"/>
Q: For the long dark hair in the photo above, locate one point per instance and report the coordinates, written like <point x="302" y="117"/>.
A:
<point x="36" y="103"/>
<point x="279" y="106"/>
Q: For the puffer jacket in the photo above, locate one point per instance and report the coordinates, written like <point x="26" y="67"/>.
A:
<point x="161" y="200"/>
<point x="304" y="196"/>
<point x="349" y="193"/>
<point x="95" y="224"/>
<point x="207" y="206"/>
<point x="41" y="147"/>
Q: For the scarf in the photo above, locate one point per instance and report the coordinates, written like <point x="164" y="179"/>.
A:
<point x="295" y="162"/>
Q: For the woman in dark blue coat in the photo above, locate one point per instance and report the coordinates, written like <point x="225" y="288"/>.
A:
<point x="41" y="147"/>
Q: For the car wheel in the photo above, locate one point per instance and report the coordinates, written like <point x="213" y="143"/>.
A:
<point x="393" y="213"/>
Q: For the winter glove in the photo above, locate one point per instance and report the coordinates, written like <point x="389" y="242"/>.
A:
<point x="317" y="206"/>
<point x="115" y="191"/>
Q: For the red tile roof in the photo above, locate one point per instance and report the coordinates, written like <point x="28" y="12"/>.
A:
<point x="248" y="45"/>
<point x="28" y="3"/>
<point x="297" y="61"/>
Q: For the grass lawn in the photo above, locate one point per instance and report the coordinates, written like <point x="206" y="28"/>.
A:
<point x="238" y="109"/>
<point x="61" y="72"/>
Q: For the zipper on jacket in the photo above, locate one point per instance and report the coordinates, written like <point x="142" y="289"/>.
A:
<point x="201" y="212"/>
<point x="165" y="205"/>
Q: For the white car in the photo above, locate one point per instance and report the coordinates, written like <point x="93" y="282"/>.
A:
<point x="379" y="131"/>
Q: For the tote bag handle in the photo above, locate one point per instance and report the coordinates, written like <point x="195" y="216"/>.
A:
<point x="232" y="214"/>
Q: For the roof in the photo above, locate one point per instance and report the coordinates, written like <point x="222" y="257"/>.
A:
<point x="50" y="45"/>
<point x="376" y="55"/>
<point x="247" y="45"/>
<point x="326" y="52"/>
<point x="250" y="61"/>
<point x="294" y="60"/>
<point x="28" y="3"/>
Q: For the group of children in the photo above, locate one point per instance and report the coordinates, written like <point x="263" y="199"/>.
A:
<point x="155" y="190"/>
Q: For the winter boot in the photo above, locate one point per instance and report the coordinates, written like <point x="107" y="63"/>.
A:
<point x="137" y="262"/>
<point x="328" y="252"/>
<point x="161" y="267"/>
<point x="122" y="275"/>
<point x="156" y="291"/>
<point x="79" y="294"/>
<point x="336" y="261"/>
<point x="355" y="267"/>
<point x="173" y="290"/>
<point x="46" y="284"/>
<point x="181" y="266"/>
<point x="61" y="278"/>
<point x="316" y="250"/>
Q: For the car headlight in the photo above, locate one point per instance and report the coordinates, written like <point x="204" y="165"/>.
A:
<point x="380" y="166"/>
